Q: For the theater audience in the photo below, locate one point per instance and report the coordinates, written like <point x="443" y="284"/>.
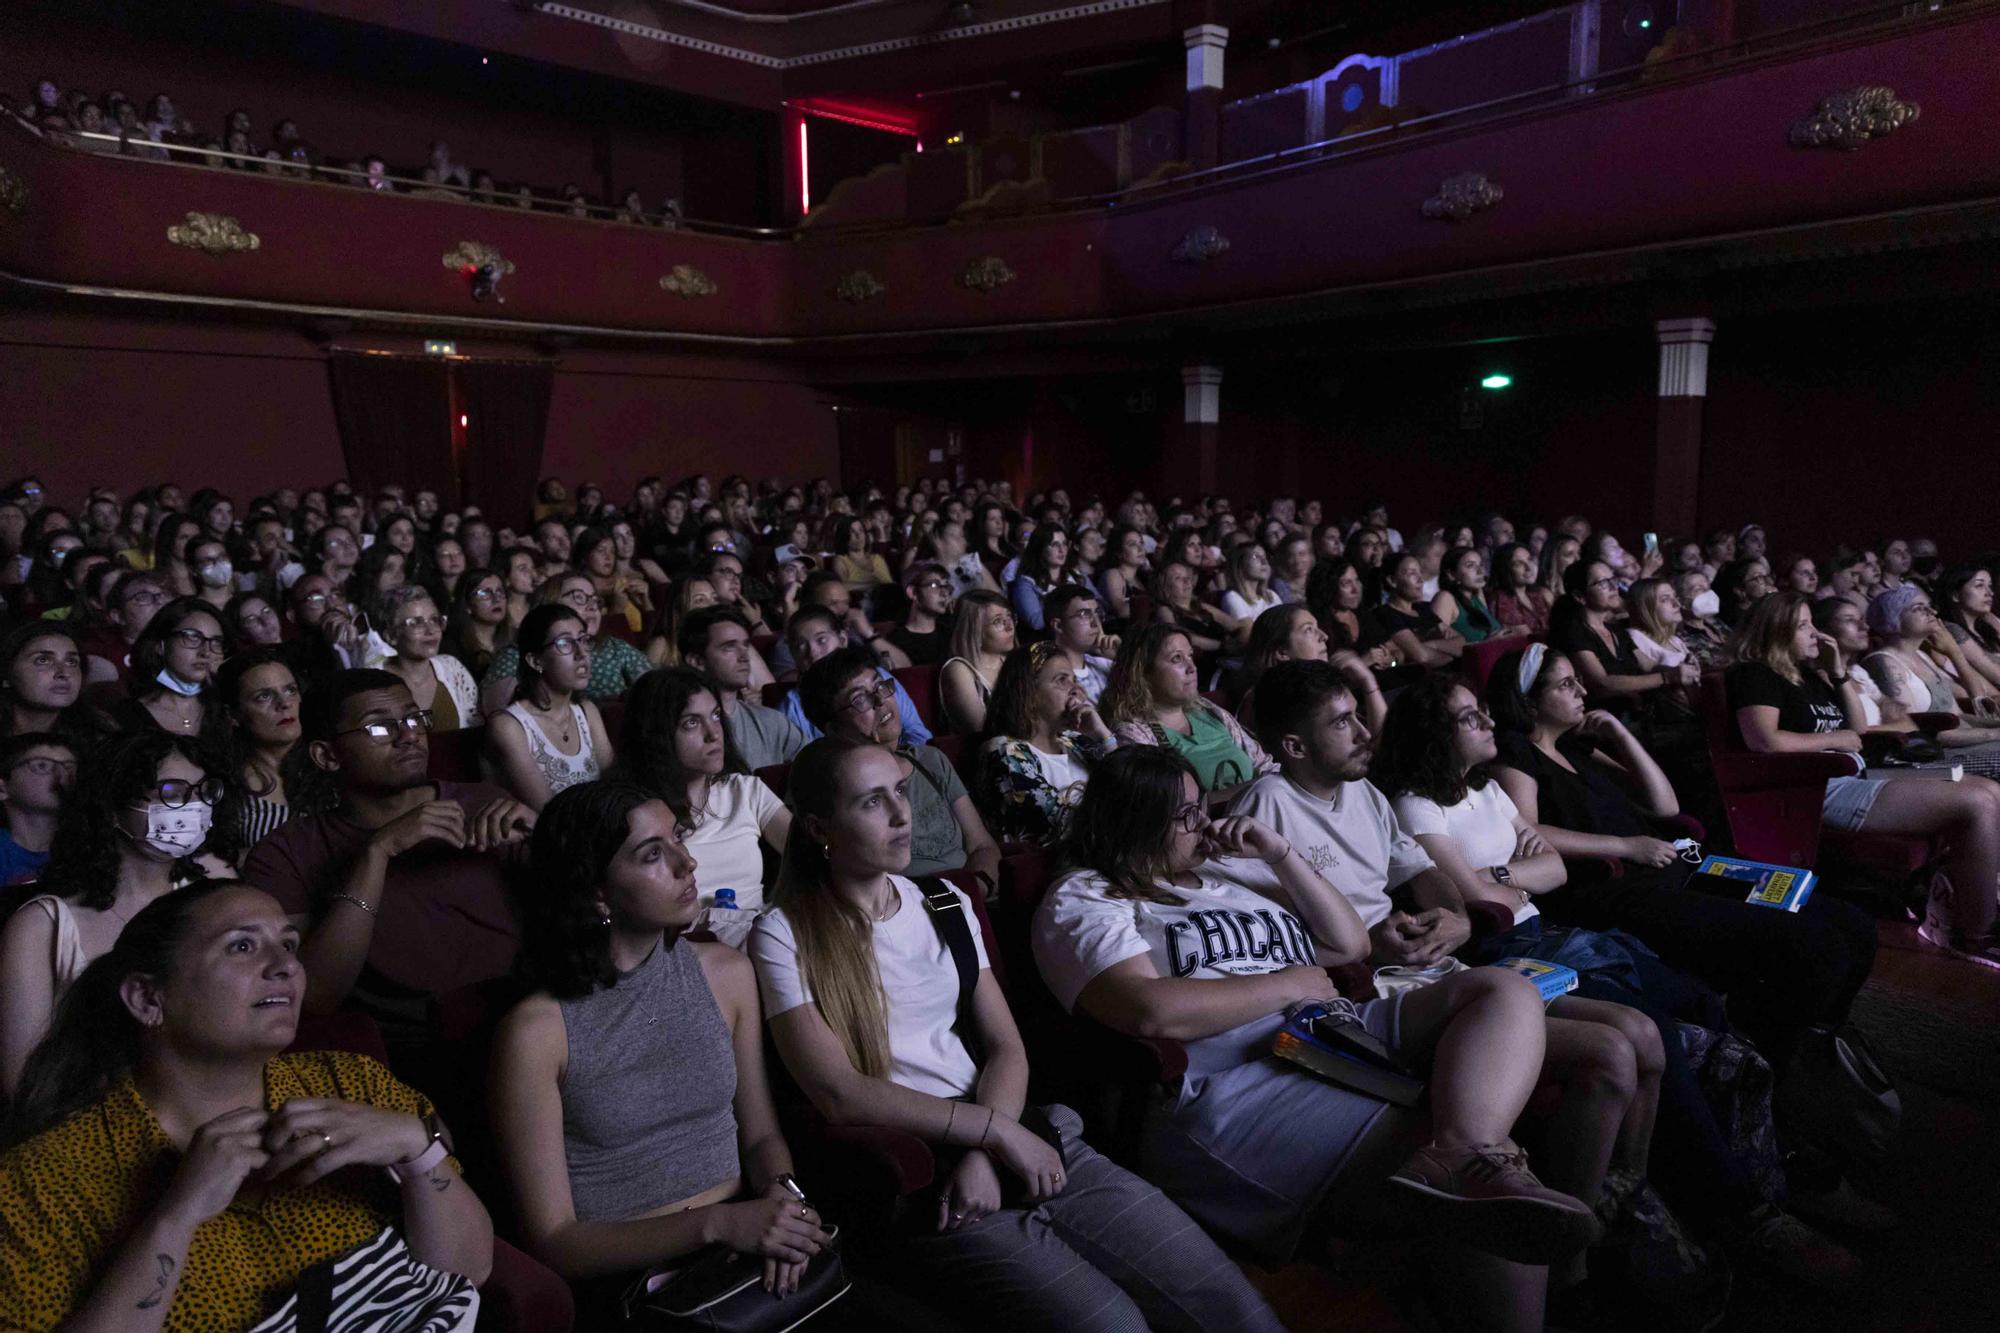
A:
<point x="925" y="635"/>
<point x="1905" y="626"/>
<point x="1461" y="603"/>
<point x="1247" y="593"/>
<point x="1044" y="567"/>
<point x="37" y="771"/>
<point x="1045" y="733"/>
<point x="716" y="642"/>
<point x="1740" y="585"/>
<point x="815" y="635"/>
<point x="676" y="740"/>
<point x="439" y="682"/>
<point x="164" y="1103"/>
<point x="981" y="638"/>
<point x="632" y="1143"/>
<point x="1175" y="602"/>
<point x="398" y="879"/>
<point x="141" y="806"/>
<point x="1154" y="698"/>
<point x="41" y="684"/>
<point x="613" y="663"/>
<point x="477" y="628"/>
<point x="1405" y="620"/>
<point x="1124" y="572"/>
<point x="1293" y="634"/>
<point x="874" y="1013"/>
<point x="1117" y="940"/>
<point x="855" y="560"/>
<point x="1076" y="625"/>
<point x="551" y="736"/>
<point x="1512" y="581"/>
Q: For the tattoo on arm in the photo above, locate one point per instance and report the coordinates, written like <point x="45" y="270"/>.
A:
<point x="440" y="1180"/>
<point x="167" y="1265"/>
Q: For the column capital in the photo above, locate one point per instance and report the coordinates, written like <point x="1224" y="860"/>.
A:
<point x="1692" y="330"/>
<point x="1684" y="347"/>
<point x="1205" y="45"/>
<point x="1201" y="402"/>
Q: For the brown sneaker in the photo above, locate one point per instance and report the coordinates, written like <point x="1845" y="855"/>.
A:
<point x="1486" y="1196"/>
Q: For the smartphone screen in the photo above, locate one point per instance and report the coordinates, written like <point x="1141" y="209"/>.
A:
<point x="1652" y="542"/>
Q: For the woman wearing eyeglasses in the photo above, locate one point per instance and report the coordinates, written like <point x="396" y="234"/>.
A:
<point x="550" y="737"/>
<point x="478" y="628"/>
<point x="614" y="663"/>
<point x="171" y="663"/>
<point x="143" y="802"/>
<point x="437" y="680"/>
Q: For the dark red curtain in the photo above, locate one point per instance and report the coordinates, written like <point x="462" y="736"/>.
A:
<point x="395" y="422"/>
<point x="505" y="408"/>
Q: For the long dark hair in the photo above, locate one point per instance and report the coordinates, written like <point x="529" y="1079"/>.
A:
<point x="537" y="628"/>
<point x="83" y="858"/>
<point x="654" y="707"/>
<point x="225" y="737"/>
<point x="565" y="949"/>
<point x="1121" y="827"/>
<point x="1035" y="559"/>
<point x="149" y="651"/>
<point x="1511" y="707"/>
<point x="93" y="1040"/>
<point x="79" y="721"/>
<point x="1417" y="752"/>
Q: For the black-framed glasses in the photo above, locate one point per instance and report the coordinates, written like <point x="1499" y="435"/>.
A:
<point x="569" y="645"/>
<point x="582" y="601"/>
<point x="1473" y="719"/>
<point x="382" y="731"/>
<point x="195" y="640"/>
<point x="175" y="793"/>
<point x="866" y="698"/>
<point x="42" y="766"/>
<point x="144" y="597"/>
<point x="1192" y="817"/>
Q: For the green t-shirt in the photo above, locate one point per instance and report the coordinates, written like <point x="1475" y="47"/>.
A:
<point x="1218" y="760"/>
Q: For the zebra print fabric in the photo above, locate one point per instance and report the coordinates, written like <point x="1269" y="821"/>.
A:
<point x="376" y="1287"/>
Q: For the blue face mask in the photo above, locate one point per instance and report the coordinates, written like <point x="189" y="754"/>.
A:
<point x="176" y="684"/>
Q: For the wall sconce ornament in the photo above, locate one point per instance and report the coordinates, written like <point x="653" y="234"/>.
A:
<point x="1460" y="196"/>
<point x="483" y="265"/>
<point x="986" y="273"/>
<point x="13" y="193"/>
<point x="213" y="234"/>
<point x="1847" y="120"/>
<point x="687" y="281"/>
<point x="858" y="287"/>
<point x="1201" y="245"/>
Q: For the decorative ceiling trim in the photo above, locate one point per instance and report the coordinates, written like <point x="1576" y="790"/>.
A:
<point x="478" y="254"/>
<point x="687" y="281"/>
<point x="858" y="287"/>
<point x="649" y="32"/>
<point x="13" y="193"/>
<point x="1847" y="120"/>
<point x="1200" y="245"/>
<point x="1460" y="196"/>
<point x="213" y="234"/>
<point x="985" y="273"/>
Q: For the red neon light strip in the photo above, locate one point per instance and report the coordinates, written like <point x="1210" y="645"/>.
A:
<point x="884" y="126"/>
<point x="805" y="174"/>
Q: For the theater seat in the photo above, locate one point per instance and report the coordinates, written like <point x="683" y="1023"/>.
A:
<point x="963" y="755"/>
<point x="774" y="694"/>
<point x="921" y="684"/>
<point x="455" y="755"/>
<point x="778" y="777"/>
<point x="1476" y="662"/>
<point x="523" y="1295"/>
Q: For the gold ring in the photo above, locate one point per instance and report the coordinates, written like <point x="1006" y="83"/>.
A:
<point x="327" y="1138"/>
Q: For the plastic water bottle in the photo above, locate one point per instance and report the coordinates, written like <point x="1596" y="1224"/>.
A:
<point x="725" y="901"/>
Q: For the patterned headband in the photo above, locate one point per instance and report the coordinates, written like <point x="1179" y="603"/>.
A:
<point x="1531" y="666"/>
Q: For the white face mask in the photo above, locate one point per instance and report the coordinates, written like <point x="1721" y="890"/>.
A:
<point x="187" y="689"/>
<point x="177" y="833"/>
<point x="217" y="574"/>
<point x="1706" y="603"/>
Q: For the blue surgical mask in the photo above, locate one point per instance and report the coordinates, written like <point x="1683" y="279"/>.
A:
<point x="185" y="688"/>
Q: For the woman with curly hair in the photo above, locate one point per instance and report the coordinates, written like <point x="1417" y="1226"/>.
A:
<point x="1154" y="698"/>
<point x="144" y="803"/>
<point x="677" y="746"/>
<point x="629" y="1095"/>
<point x="1045" y="735"/>
<point x="254" y="731"/>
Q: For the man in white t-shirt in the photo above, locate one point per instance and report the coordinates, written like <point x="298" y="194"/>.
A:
<point x="1322" y="803"/>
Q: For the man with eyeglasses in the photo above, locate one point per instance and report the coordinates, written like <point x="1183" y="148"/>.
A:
<point x="925" y="634"/>
<point x="1071" y="612"/>
<point x="37" y="769"/>
<point x="814" y="634"/>
<point x="130" y="607"/>
<point x="398" y="882"/>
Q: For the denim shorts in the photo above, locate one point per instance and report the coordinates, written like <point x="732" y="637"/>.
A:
<point x="1848" y="801"/>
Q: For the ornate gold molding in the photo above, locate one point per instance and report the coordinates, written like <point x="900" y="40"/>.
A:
<point x="858" y="287"/>
<point x="986" y="273"/>
<point x="1202" y="244"/>
<point x="213" y="234"/>
<point x="1460" y="196"/>
<point x="1847" y="120"/>
<point x="13" y="193"/>
<point x="478" y="254"/>
<point x="687" y="281"/>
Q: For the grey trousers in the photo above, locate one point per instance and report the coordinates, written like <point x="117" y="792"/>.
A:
<point x="1110" y="1254"/>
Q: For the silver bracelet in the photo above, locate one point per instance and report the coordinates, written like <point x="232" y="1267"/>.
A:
<point x="361" y="903"/>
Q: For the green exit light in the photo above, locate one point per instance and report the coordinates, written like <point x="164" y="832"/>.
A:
<point x="1496" y="381"/>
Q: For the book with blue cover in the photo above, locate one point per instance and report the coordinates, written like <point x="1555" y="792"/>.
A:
<point x="1784" y="887"/>
<point x="1332" y="1044"/>
<point x="1553" y="980"/>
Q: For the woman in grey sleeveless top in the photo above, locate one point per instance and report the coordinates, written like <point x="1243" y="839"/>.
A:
<point x="628" y="1094"/>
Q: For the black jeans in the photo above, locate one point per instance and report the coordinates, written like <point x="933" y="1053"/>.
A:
<point x="1782" y="972"/>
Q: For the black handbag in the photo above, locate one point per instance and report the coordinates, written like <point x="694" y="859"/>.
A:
<point x="723" y="1291"/>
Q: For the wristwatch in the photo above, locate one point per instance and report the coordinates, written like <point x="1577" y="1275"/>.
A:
<point x="1503" y="876"/>
<point x="436" y="1151"/>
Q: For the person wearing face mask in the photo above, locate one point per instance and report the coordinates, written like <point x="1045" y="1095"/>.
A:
<point x="214" y="573"/>
<point x="37" y="769"/>
<point x="1706" y="639"/>
<point x="143" y="803"/>
<point x="171" y="662"/>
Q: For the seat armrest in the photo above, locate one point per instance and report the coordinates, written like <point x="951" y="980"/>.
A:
<point x="1766" y="772"/>
<point x="903" y="1157"/>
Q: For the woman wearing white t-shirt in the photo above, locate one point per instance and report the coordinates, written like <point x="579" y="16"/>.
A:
<point x="1046" y="735"/>
<point x="865" y="1004"/>
<point x="679" y="746"/>
<point x="1249" y="593"/>
<point x="1207" y="934"/>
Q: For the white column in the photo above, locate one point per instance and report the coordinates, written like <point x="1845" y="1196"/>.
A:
<point x="1201" y="404"/>
<point x="1205" y="44"/>
<point x="1684" y="357"/>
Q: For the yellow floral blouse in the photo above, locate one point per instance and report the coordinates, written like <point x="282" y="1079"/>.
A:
<point x="69" y="1196"/>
